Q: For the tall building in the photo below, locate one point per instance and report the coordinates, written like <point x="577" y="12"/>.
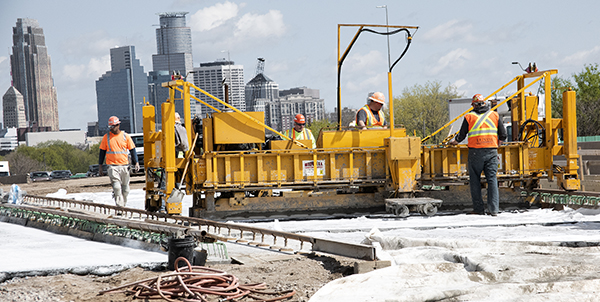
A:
<point x="32" y="74"/>
<point x="174" y="54"/>
<point x="173" y="44"/>
<point x="260" y="90"/>
<point x="211" y="76"/>
<point x="121" y="91"/>
<point x="13" y="107"/>
<point x="282" y="111"/>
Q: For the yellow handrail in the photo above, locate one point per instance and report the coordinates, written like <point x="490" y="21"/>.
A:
<point x="544" y="74"/>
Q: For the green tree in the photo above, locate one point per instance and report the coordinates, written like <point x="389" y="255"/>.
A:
<point x="316" y="126"/>
<point x="423" y="109"/>
<point x="587" y="87"/>
<point x="559" y="85"/>
<point x="52" y="155"/>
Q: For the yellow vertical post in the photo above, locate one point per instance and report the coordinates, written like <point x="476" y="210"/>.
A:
<point x="149" y="127"/>
<point x="187" y="114"/>
<point x="168" y="143"/>
<point x="570" y="139"/>
<point x="549" y="143"/>
<point x="391" y="104"/>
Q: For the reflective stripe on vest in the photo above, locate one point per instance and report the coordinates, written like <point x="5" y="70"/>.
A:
<point x="371" y="121"/>
<point x="305" y="134"/>
<point x="483" y="130"/>
<point x="109" y="150"/>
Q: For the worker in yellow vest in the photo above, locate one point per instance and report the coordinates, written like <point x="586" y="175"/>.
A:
<point x="370" y="115"/>
<point x="299" y="131"/>
<point x="485" y="132"/>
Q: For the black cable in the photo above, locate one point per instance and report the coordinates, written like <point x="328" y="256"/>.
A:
<point x="341" y="62"/>
<point x="539" y="129"/>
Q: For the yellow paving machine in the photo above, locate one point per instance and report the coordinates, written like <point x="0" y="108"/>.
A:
<point x="350" y="170"/>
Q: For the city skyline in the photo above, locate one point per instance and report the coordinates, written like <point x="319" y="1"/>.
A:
<point x="455" y="44"/>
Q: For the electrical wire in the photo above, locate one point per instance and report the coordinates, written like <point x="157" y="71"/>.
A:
<point x="530" y="136"/>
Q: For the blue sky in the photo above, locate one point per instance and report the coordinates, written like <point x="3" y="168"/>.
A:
<point x="469" y="44"/>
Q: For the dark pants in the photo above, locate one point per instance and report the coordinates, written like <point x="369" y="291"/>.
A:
<point x="486" y="161"/>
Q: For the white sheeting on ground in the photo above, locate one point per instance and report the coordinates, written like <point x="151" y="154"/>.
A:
<point x="536" y="255"/>
<point x="516" y="256"/>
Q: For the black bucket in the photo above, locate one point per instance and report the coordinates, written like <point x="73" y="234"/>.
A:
<point x="181" y="247"/>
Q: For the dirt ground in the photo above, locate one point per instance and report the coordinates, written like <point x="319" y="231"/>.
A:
<point x="305" y="274"/>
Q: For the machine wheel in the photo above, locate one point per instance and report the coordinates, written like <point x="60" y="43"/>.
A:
<point x="401" y="211"/>
<point x="429" y="209"/>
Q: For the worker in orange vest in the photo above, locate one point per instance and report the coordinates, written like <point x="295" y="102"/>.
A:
<point x="485" y="132"/>
<point x="115" y="147"/>
<point x="370" y="115"/>
<point x="299" y="131"/>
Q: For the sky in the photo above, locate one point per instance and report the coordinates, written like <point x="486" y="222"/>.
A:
<point x="520" y="255"/>
<point x="468" y="44"/>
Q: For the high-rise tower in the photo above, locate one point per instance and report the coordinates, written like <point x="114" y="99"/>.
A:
<point x="122" y="90"/>
<point x="13" y="108"/>
<point x="174" y="54"/>
<point x="32" y="74"/>
<point x="212" y="76"/>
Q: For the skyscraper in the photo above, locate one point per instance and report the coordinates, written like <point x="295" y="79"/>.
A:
<point x="212" y="75"/>
<point x="174" y="54"/>
<point x="13" y="108"/>
<point x="32" y="74"/>
<point x="122" y="90"/>
<point x="173" y="44"/>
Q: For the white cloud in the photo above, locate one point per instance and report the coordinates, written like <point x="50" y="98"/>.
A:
<point x="94" y="68"/>
<point x="452" y="30"/>
<point x="95" y="43"/>
<point x="461" y="86"/>
<point x="2" y="59"/>
<point x="364" y="63"/>
<point x="213" y="16"/>
<point x="581" y="57"/>
<point x="454" y="59"/>
<point x="260" y="26"/>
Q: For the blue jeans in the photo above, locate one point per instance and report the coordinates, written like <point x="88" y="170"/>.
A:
<point x="486" y="161"/>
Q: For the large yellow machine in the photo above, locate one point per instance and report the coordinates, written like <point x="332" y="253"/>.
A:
<point x="350" y="170"/>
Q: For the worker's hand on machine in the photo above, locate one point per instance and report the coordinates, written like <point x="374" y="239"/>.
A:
<point x="453" y="142"/>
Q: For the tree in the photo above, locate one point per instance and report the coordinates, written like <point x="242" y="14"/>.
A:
<point x="52" y="155"/>
<point x="587" y="88"/>
<point x="20" y="163"/>
<point x="423" y="109"/>
<point x="316" y="126"/>
<point x="559" y="85"/>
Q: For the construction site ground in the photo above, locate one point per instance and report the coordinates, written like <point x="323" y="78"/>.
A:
<point x="305" y="274"/>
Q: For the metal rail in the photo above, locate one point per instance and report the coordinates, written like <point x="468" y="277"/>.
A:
<point x="174" y="225"/>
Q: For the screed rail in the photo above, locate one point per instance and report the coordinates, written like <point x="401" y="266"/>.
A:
<point x="173" y="225"/>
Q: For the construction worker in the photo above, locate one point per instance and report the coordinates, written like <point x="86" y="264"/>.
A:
<point x="299" y="131"/>
<point x="115" y="146"/>
<point x="485" y="132"/>
<point x="370" y="115"/>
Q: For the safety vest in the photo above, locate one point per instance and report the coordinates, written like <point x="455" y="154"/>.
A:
<point x="117" y="148"/>
<point x="483" y="129"/>
<point x="371" y="121"/>
<point x="304" y="134"/>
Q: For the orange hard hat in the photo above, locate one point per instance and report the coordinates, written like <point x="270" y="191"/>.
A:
<point x="113" y="120"/>
<point x="477" y="98"/>
<point x="299" y="119"/>
<point x="378" y="97"/>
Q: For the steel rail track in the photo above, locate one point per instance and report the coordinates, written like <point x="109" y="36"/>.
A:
<point x="175" y="225"/>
